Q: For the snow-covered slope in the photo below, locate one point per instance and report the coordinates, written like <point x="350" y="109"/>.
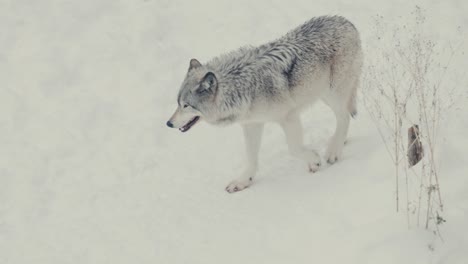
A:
<point x="90" y="174"/>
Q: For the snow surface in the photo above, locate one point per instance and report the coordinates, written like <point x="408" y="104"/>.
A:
<point x="90" y="174"/>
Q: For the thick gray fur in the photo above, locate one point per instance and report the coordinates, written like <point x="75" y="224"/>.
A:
<point x="321" y="59"/>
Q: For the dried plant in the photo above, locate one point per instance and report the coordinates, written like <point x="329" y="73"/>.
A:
<point x="402" y="87"/>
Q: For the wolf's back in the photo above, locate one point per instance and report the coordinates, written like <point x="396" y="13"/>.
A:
<point x="323" y="36"/>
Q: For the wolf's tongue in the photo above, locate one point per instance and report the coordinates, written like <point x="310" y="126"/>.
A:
<point x="187" y="126"/>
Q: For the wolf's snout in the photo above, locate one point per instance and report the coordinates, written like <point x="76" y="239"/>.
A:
<point x="169" y="124"/>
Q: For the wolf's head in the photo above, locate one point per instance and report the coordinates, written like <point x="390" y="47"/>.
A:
<point x="196" y="97"/>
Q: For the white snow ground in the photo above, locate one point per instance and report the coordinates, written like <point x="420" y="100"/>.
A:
<point x="90" y="174"/>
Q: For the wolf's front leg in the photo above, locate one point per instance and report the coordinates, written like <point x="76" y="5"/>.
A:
<point x="292" y="128"/>
<point x="252" y="139"/>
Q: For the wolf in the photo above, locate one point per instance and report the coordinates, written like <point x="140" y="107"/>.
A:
<point x="274" y="82"/>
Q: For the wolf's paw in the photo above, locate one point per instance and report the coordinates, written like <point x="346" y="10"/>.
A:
<point x="314" y="166"/>
<point x="314" y="161"/>
<point x="334" y="152"/>
<point x="238" y="185"/>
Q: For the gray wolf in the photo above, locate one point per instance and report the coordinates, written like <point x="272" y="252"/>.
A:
<point x="320" y="59"/>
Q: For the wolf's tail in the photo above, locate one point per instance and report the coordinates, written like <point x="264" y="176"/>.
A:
<point x="352" y="101"/>
<point x="352" y="104"/>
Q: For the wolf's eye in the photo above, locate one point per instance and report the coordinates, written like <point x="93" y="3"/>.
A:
<point x="185" y="105"/>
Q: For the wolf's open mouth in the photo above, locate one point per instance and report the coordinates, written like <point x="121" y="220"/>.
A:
<point x="187" y="126"/>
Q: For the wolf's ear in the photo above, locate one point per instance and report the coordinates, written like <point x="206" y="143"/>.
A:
<point x="208" y="84"/>
<point x="194" y="63"/>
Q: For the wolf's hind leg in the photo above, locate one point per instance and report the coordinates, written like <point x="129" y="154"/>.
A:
<point x="252" y="138"/>
<point x="342" y="100"/>
<point x="292" y="128"/>
<point x="336" y="144"/>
